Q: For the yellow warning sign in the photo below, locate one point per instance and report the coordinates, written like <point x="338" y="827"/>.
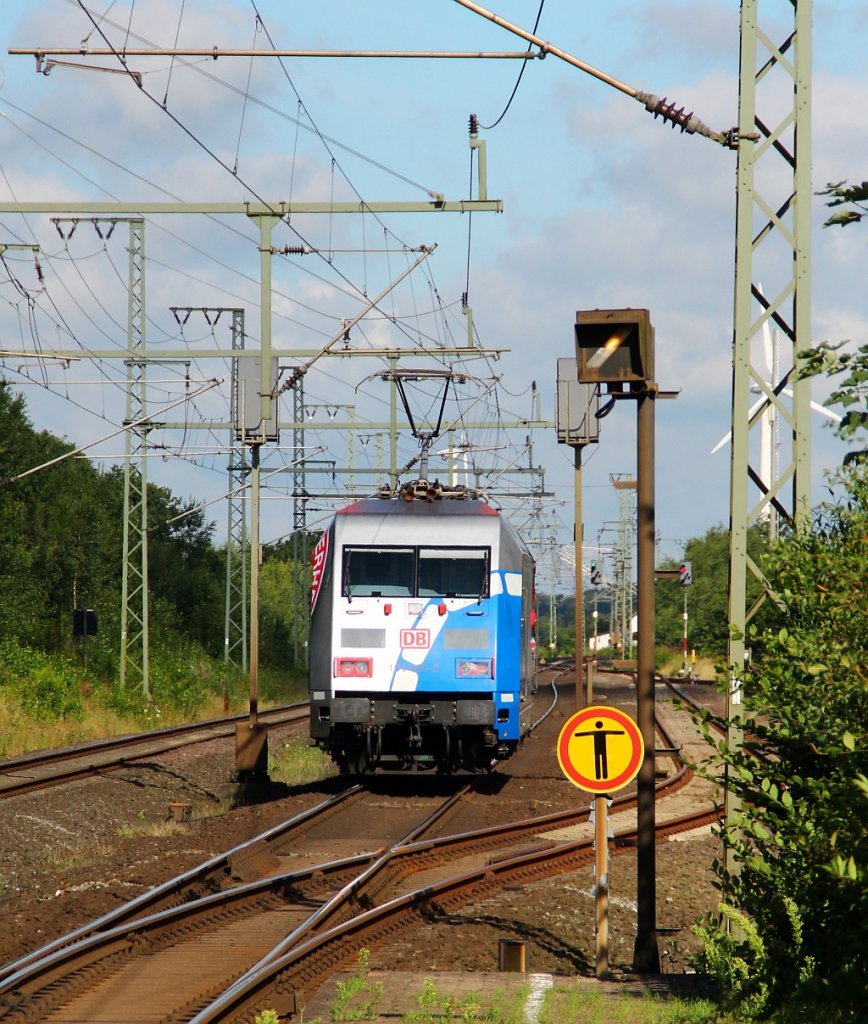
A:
<point x="600" y="749"/>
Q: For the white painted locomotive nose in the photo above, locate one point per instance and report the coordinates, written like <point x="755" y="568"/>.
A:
<point x="420" y="634"/>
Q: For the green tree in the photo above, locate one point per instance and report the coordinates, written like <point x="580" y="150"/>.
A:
<point x="803" y="822"/>
<point x="284" y="585"/>
<point x="800" y="897"/>
<point x="851" y="196"/>
<point x="61" y="547"/>
<point x="186" y="572"/>
<point x="851" y="394"/>
<point x="59" y="539"/>
<point x="707" y="595"/>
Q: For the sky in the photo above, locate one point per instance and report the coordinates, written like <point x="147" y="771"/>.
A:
<point x="602" y="207"/>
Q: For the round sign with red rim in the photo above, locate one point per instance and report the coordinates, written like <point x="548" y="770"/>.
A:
<point x="600" y="749"/>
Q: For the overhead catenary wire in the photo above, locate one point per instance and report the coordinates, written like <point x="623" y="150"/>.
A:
<point x="689" y="123"/>
<point x="354" y="292"/>
<point x="272" y="109"/>
<point x="503" y="113"/>
<point x="81" y="448"/>
<point x="416" y="326"/>
<point x="179" y="270"/>
<point x="286" y="220"/>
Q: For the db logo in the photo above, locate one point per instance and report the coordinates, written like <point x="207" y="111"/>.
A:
<point x="415" y="638"/>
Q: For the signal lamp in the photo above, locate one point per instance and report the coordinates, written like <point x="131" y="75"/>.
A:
<point x="614" y="346"/>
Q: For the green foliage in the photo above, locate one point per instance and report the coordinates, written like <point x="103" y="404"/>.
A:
<point x="852" y="392"/>
<point x="284" y="587"/>
<point x="568" y="1003"/>
<point x="739" y="966"/>
<point x="840" y="193"/>
<point x="45" y="688"/>
<point x="356" y="986"/>
<point x="186" y="572"/>
<point x="433" y="1006"/>
<point x="61" y="547"/>
<point x="267" y="1017"/>
<point x="126" y="703"/>
<point x="17" y="660"/>
<point x="707" y="595"/>
<point x="177" y="678"/>
<point x="57" y="532"/>
<point x="800" y="841"/>
<point x="296" y="763"/>
<point x="51" y="691"/>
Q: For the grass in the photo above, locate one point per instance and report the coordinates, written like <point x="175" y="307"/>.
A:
<point x="564" y="1004"/>
<point x="153" y="829"/>
<point x="295" y="763"/>
<point x="20" y="734"/>
<point x="357" y="999"/>
<point x="76" y="857"/>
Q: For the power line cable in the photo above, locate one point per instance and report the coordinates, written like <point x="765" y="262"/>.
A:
<point x="210" y="152"/>
<point x="266" y="106"/>
<point x="524" y="64"/>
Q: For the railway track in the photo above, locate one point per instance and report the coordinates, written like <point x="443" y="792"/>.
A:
<point x="210" y="925"/>
<point x="241" y="933"/>
<point x="54" y="767"/>
<point x="688" y="695"/>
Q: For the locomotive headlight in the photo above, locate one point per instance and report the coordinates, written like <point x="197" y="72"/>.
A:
<point x="476" y="668"/>
<point x="354" y="668"/>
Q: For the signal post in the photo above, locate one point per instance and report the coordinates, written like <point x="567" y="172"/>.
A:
<point x="577" y="425"/>
<point x="600" y="750"/>
<point x="615" y="347"/>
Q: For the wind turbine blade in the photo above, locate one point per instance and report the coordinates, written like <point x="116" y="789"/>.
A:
<point x="724" y="440"/>
<point x="826" y="412"/>
<point x="728" y="436"/>
<point x="821" y="409"/>
<point x="768" y="348"/>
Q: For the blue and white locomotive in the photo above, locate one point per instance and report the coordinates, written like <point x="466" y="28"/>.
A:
<point x="422" y="617"/>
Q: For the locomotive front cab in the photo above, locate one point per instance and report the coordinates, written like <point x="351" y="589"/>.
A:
<point x="425" y="662"/>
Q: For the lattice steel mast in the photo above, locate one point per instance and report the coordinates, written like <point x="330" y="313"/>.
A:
<point x="134" y="579"/>
<point x="773" y="245"/>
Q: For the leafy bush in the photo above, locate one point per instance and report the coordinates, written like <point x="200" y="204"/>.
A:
<point x="178" y="678"/>
<point x="17" y="660"/>
<point x="800" y="840"/>
<point x="50" y="691"/>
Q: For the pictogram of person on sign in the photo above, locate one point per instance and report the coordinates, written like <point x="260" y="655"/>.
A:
<point x="601" y="761"/>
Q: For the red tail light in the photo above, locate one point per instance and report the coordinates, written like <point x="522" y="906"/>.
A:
<point x="354" y="668"/>
<point x="475" y="668"/>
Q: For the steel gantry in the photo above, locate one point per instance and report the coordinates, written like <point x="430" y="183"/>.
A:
<point x="237" y="547"/>
<point x="134" y="658"/>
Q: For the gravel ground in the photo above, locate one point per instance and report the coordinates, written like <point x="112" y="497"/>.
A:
<point x="72" y="853"/>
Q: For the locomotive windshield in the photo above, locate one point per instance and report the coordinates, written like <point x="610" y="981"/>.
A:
<point x="379" y="572"/>
<point x="453" y="572"/>
<point x="415" y="572"/>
